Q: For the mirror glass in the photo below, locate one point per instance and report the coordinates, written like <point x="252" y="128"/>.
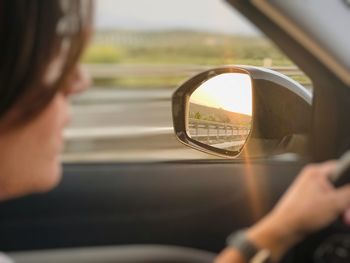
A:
<point x="220" y="111"/>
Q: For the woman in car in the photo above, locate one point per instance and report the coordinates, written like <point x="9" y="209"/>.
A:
<point x="41" y="43"/>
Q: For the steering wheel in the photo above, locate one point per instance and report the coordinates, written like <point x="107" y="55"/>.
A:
<point x="330" y="245"/>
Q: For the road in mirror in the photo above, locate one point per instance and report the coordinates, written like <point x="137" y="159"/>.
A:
<point x="220" y="111"/>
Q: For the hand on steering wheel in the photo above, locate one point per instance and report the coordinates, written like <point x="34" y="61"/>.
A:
<point x="310" y="204"/>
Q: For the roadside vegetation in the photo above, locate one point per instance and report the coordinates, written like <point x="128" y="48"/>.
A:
<point x="177" y="48"/>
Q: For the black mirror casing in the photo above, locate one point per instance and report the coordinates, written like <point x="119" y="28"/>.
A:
<point x="281" y="109"/>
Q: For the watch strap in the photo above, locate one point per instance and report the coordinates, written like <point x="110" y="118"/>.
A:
<point x="248" y="249"/>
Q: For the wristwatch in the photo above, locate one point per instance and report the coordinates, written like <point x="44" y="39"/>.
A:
<point x="239" y="241"/>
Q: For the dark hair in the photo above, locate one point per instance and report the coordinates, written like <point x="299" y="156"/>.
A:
<point x="32" y="34"/>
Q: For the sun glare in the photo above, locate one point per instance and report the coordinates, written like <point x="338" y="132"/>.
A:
<point x="228" y="91"/>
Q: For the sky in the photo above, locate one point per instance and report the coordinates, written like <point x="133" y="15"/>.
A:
<point x="229" y="91"/>
<point x="203" y="15"/>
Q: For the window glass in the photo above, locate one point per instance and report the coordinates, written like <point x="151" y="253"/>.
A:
<point x="141" y="51"/>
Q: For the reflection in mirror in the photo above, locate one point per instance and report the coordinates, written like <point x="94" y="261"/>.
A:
<point x="220" y="111"/>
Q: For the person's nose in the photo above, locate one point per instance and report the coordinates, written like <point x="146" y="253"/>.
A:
<point x="80" y="81"/>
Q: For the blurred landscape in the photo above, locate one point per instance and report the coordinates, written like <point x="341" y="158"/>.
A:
<point x="201" y="112"/>
<point x="180" y="47"/>
<point x="124" y="47"/>
<point x="126" y="114"/>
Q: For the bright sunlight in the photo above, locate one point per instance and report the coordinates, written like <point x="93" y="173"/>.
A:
<point x="229" y="91"/>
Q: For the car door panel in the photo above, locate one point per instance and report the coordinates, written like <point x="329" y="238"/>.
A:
<point x="194" y="204"/>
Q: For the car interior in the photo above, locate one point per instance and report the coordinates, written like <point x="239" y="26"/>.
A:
<point x="183" y="210"/>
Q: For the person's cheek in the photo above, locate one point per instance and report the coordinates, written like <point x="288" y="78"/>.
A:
<point x="50" y="140"/>
<point x="52" y="121"/>
<point x="62" y="116"/>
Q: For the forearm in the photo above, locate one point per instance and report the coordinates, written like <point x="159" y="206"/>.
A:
<point x="271" y="234"/>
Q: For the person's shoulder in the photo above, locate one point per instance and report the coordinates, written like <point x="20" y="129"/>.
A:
<point x="5" y="259"/>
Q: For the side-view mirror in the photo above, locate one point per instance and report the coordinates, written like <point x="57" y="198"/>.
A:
<point x="230" y="111"/>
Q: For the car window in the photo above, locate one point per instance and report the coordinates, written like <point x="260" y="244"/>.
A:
<point x="316" y="31"/>
<point x="142" y="50"/>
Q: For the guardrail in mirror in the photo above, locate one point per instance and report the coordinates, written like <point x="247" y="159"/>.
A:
<point x="217" y="134"/>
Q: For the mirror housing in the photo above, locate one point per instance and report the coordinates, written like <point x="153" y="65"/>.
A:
<point x="281" y="113"/>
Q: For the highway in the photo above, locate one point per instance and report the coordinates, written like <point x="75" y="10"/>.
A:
<point x="119" y="124"/>
<point x="111" y="124"/>
<point x="123" y="125"/>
